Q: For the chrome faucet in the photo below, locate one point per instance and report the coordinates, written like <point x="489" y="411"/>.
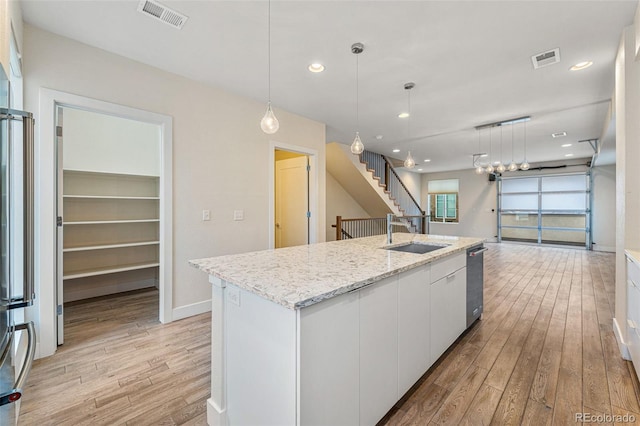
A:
<point x="390" y="224"/>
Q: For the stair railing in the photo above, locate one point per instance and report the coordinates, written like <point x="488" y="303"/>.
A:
<point x="367" y="227"/>
<point x="382" y="170"/>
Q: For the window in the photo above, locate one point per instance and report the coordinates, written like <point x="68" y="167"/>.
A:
<point x="443" y="200"/>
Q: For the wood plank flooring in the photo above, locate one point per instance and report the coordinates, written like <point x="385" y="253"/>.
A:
<point x="119" y="365"/>
<point x="544" y="351"/>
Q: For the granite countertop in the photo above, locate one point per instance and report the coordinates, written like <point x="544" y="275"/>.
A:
<point x="300" y="276"/>
<point x="634" y="255"/>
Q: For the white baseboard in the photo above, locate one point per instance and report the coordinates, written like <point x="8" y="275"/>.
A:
<point x="191" y="310"/>
<point x="608" y="249"/>
<point x="622" y="346"/>
<point x="70" y="296"/>
<point x="215" y="416"/>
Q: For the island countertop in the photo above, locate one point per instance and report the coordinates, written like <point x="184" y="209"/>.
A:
<point x="296" y="277"/>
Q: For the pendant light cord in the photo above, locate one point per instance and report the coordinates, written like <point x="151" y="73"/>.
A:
<point x="511" y="142"/>
<point x="525" y="141"/>
<point x="269" y="49"/>
<point x="490" y="148"/>
<point x="357" y="94"/>
<point x="409" y="111"/>
<point x="500" y="159"/>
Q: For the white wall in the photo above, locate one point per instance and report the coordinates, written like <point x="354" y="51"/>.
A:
<point x="340" y="203"/>
<point x="627" y="111"/>
<point x="413" y="182"/>
<point x="220" y="154"/>
<point x="104" y="143"/>
<point x="604" y="208"/>
<point x="476" y="203"/>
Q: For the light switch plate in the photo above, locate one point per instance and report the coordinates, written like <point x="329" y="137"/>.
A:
<point x="238" y="215"/>
<point x="206" y="215"/>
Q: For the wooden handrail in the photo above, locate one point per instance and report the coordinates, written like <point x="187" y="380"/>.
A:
<point x="402" y="183"/>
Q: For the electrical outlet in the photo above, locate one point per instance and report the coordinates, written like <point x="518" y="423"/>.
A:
<point x="206" y="215"/>
<point x="238" y="215"/>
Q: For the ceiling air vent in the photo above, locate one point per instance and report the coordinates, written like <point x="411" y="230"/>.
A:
<point x="162" y="13"/>
<point x="546" y="58"/>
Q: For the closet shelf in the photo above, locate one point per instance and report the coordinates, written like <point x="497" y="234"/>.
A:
<point x="103" y="222"/>
<point x="114" y="174"/>
<point x="109" y="270"/>
<point x="111" y="246"/>
<point x="110" y="197"/>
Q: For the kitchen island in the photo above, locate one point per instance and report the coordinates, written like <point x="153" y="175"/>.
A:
<point x="331" y="333"/>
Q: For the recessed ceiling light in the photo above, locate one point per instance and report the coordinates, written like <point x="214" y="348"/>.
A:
<point x="316" y="67"/>
<point x="568" y="155"/>
<point x="396" y="150"/>
<point x="558" y="135"/>
<point x="427" y="160"/>
<point x="419" y="170"/>
<point x="403" y="115"/>
<point x="581" y="65"/>
<point x="565" y="145"/>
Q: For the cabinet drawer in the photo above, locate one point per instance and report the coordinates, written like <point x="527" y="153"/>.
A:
<point x="448" y="265"/>
<point x="634" y="347"/>
<point x="633" y="304"/>
<point x="633" y="272"/>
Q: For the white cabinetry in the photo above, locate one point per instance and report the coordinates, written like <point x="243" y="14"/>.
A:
<point x="329" y="362"/>
<point x="448" y="302"/>
<point x="343" y="361"/>
<point x="414" y="357"/>
<point x="633" y="312"/>
<point x="378" y="349"/>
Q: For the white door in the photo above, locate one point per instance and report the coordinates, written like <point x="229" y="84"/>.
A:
<point x="292" y="202"/>
<point x="59" y="232"/>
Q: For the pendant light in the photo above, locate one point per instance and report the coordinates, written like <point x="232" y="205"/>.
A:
<point x="525" y="165"/>
<point x="512" y="166"/>
<point x="500" y="168"/>
<point x="357" y="147"/>
<point x="269" y="123"/>
<point x="409" y="163"/>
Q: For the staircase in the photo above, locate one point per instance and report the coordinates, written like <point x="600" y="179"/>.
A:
<point x="371" y="181"/>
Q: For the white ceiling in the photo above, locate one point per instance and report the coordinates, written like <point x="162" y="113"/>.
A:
<point x="470" y="60"/>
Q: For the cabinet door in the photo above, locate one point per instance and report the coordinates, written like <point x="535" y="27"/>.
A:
<point x="633" y="312"/>
<point x="378" y="350"/>
<point x="329" y="362"/>
<point x="448" y="302"/>
<point x="414" y="358"/>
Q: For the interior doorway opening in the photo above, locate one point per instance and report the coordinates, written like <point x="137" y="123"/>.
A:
<point x="108" y="209"/>
<point x="292" y="214"/>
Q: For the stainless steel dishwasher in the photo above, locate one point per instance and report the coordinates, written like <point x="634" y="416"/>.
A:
<point x="475" y="282"/>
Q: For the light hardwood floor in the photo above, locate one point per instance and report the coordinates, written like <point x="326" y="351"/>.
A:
<point x="544" y="351"/>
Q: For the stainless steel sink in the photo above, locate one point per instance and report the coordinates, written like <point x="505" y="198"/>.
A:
<point x="418" y="248"/>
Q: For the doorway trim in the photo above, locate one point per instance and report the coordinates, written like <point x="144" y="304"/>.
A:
<point x="45" y="207"/>
<point x="313" y="188"/>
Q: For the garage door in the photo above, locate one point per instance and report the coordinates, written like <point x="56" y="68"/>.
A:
<point x="549" y="209"/>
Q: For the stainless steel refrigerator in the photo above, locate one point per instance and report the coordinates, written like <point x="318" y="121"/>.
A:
<point x="16" y="249"/>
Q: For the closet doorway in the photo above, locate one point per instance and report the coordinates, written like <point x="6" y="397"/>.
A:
<point x="51" y="173"/>
<point x="292" y="199"/>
